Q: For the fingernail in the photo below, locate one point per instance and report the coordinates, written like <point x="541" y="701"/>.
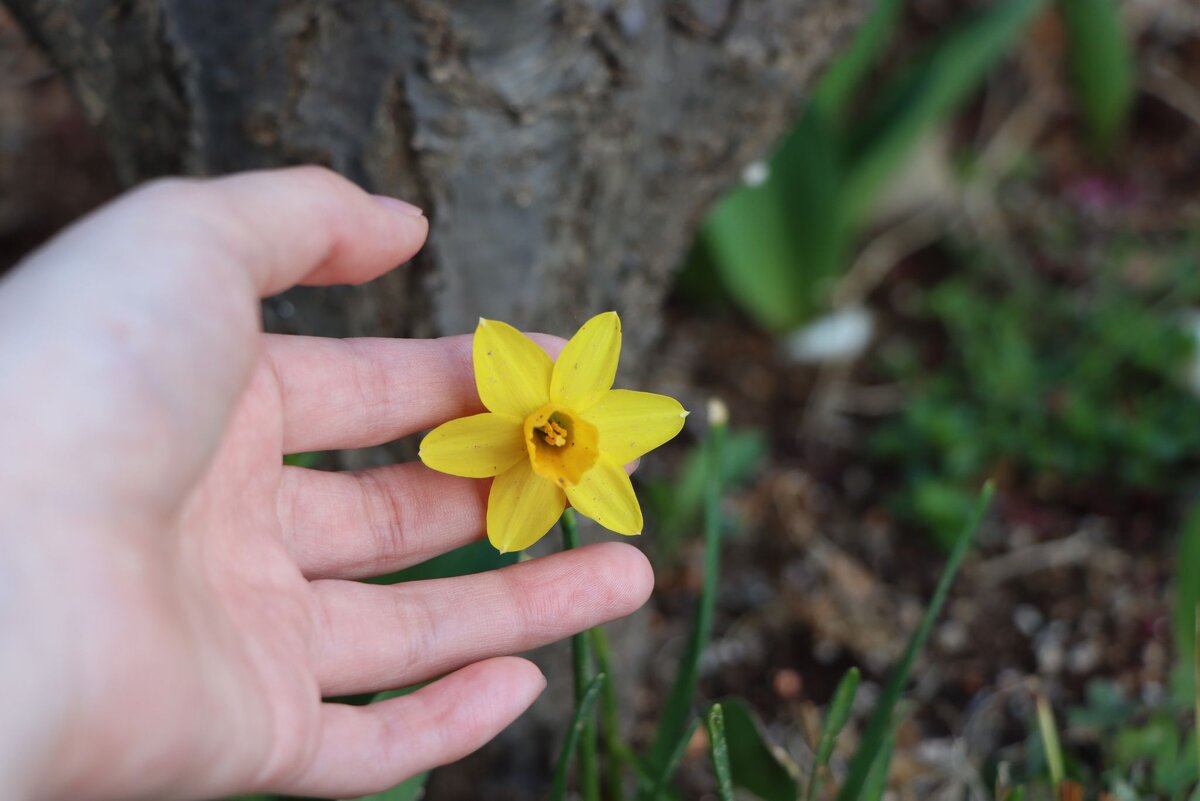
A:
<point x="396" y="204"/>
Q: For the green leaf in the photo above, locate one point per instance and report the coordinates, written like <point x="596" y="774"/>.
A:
<point x="835" y="719"/>
<point x="678" y="708"/>
<point x="661" y="785"/>
<point x="478" y="557"/>
<point x="926" y="95"/>
<point x="410" y="790"/>
<point x="839" y="83"/>
<point x="678" y="504"/>
<point x="1101" y="64"/>
<point x="1050" y="743"/>
<point x="309" y="459"/>
<point x="581" y="663"/>
<point x="755" y="765"/>
<point x="719" y="749"/>
<point x="583" y="712"/>
<point x="778" y="244"/>
<point x="876" y="783"/>
<point x="1187" y="597"/>
<point x="880" y="723"/>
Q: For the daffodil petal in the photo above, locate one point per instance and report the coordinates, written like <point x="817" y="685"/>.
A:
<point x="588" y="364"/>
<point x="606" y="495"/>
<point x="512" y="373"/>
<point x="522" y="507"/>
<point x="476" y="447"/>
<point x="632" y="424"/>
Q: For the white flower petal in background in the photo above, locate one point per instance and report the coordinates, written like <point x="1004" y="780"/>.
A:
<point x="838" y="337"/>
<point x="756" y="173"/>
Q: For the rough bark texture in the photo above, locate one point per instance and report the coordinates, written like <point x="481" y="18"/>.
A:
<point x="564" y="151"/>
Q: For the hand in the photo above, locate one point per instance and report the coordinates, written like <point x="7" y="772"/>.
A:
<point x="174" y="603"/>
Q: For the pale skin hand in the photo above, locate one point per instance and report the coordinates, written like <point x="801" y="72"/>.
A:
<point x="174" y="603"/>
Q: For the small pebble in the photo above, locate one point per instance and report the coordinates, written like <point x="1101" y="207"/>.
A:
<point x="1028" y="619"/>
<point x="787" y="683"/>
<point x="1083" y="658"/>
<point x="952" y="636"/>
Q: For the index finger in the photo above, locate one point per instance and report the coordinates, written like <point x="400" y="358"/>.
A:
<point x="354" y="393"/>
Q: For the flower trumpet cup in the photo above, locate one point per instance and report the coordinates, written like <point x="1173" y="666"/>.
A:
<point x="555" y="431"/>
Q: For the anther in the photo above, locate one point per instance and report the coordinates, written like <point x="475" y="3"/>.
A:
<point x="554" y="434"/>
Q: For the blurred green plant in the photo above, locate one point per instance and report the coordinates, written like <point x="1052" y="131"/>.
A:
<point x="1186" y="607"/>
<point x="742" y="755"/>
<point x="1057" y="386"/>
<point x="1101" y="66"/>
<point x="778" y="241"/>
<point x="676" y="503"/>
<point x="1145" y="751"/>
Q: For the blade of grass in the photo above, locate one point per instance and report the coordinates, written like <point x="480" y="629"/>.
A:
<point x="880" y="722"/>
<point x="1050" y="743"/>
<point x="608" y="716"/>
<point x="835" y="720"/>
<point x="679" y="702"/>
<point x="1187" y="598"/>
<point x="581" y="658"/>
<point x="836" y="89"/>
<point x="876" y="783"/>
<point x="926" y="95"/>
<point x="1101" y="67"/>
<point x="662" y="778"/>
<point x="755" y="764"/>
<point x="719" y="749"/>
<point x="583" y="712"/>
<point x="1196" y="691"/>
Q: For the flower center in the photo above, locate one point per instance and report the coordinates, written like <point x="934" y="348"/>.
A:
<point x="554" y="433"/>
<point x="562" y="447"/>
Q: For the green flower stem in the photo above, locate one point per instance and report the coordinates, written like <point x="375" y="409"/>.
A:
<point x="609" y="717"/>
<point x="581" y="655"/>
<point x="673" y="725"/>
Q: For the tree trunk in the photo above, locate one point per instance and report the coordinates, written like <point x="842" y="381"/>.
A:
<point x="564" y="151"/>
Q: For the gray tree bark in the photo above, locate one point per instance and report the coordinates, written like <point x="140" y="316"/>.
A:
<point x="564" y="151"/>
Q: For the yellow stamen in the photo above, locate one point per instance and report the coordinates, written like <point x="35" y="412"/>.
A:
<point x="554" y="434"/>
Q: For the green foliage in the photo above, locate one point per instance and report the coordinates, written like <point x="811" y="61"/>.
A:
<point x="579" y="724"/>
<point x="779" y="243"/>
<point x="676" y="505"/>
<point x="1051" y="747"/>
<point x="1069" y="386"/>
<point x="410" y="790"/>
<point x="718" y="748"/>
<point x="476" y="557"/>
<point x="926" y="94"/>
<point x="1146" y="752"/>
<point x="678" y="708"/>
<point x="1102" y="69"/>
<point x="1186" y="603"/>
<point x="874" y="748"/>
<point x="837" y="89"/>
<point x="754" y="764"/>
<point x="835" y="719"/>
<point x="310" y="459"/>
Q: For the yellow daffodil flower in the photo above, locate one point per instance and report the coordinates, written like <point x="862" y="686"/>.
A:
<point x="555" y="431"/>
